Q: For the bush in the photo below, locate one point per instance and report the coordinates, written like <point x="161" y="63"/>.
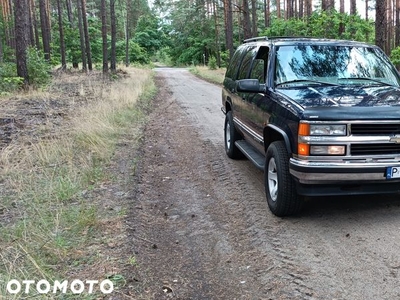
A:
<point x="212" y="63"/>
<point x="38" y="68"/>
<point x="9" y="82"/>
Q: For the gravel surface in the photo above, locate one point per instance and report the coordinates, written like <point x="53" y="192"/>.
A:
<point x="200" y="226"/>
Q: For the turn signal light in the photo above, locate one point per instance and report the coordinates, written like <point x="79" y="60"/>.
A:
<point x="303" y="149"/>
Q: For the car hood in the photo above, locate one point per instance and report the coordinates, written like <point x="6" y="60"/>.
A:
<point x="352" y="102"/>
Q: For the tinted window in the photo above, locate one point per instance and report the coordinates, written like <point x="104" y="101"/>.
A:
<point x="246" y="63"/>
<point x="231" y="72"/>
<point x="258" y="70"/>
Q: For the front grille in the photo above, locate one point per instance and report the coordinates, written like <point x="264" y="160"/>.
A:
<point x="374" y="149"/>
<point x="375" y="129"/>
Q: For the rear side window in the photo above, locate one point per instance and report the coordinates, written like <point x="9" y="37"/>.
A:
<point x="232" y="70"/>
<point x="246" y="63"/>
<point x="259" y="68"/>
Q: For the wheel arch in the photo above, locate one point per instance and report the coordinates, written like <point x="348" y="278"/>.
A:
<point x="273" y="133"/>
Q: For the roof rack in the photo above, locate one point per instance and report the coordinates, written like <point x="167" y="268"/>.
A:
<point x="266" y="38"/>
<point x="260" y="38"/>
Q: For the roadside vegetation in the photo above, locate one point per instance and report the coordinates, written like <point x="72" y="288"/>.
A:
<point x="52" y="224"/>
<point x="210" y="74"/>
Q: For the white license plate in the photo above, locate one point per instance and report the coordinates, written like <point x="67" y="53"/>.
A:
<point x="392" y="172"/>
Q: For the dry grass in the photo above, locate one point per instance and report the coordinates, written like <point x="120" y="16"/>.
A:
<point x="214" y="76"/>
<point x="46" y="218"/>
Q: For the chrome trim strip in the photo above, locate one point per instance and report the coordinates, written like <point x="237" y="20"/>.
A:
<point x="250" y="131"/>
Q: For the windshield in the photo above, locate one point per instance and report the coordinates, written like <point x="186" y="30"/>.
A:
<point x="303" y="64"/>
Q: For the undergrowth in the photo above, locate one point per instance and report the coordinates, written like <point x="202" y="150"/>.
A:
<point x="46" y="219"/>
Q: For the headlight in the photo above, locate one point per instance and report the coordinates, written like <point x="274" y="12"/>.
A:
<point x="327" y="150"/>
<point x="327" y="129"/>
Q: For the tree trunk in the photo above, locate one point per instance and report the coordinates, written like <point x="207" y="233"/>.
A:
<point x="113" y="66"/>
<point x="278" y="9"/>
<point x="380" y="24"/>
<point x="69" y="13"/>
<point x="228" y="27"/>
<point x="30" y="24"/>
<point x="254" y="17"/>
<point x="86" y="32"/>
<point x="45" y="30"/>
<point x="308" y="8"/>
<point x="127" y="36"/>
<point x="341" y="25"/>
<point x="397" y="35"/>
<point x="81" y="35"/>
<point x="301" y="9"/>
<point x="267" y="13"/>
<point x="61" y="31"/>
<point x="21" y="37"/>
<point x="217" y="41"/>
<point x="246" y="19"/>
<point x="104" y="35"/>
<point x="353" y="7"/>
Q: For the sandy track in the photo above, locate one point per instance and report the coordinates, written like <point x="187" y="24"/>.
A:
<point x="201" y="228"/>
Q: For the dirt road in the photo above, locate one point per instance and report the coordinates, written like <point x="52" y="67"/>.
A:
<point x="201" y="228"/>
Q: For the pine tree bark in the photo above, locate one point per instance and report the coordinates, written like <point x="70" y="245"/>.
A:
<point x="228" y="18"/>
<point x="397" y="29"/>
<point x="104" y="35"/>
<point x="380" y="24"/>
<point x="254" y="18"/>
<point x="113" y="65"/>
<point x="45" y="30"/>
<point x="267" y="13"/>
<point x="61" y="31"/>
<point x="81" y="36"/>
<point x="246" y="19"/>
<point x="21" y="38"/>
<point x="86" y="33"/>
<point x="278" y="8"/>
<point x="353" y="7"/>
<point x="308" y="8"/>
<point x="127" y="36"/>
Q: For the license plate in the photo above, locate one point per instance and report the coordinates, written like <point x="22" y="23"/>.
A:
<point x="392" y="172"/>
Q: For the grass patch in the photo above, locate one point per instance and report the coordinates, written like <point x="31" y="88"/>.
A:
<point x="214" y="76"/>
<point x="49" y="226"/>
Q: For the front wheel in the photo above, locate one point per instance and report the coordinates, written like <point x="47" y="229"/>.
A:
<point x="231" y="136"/>
<point x="280" y="187"/>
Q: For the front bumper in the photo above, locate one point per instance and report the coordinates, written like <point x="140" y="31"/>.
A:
<point x="338" y="172"/>
<point x="335" y="178"/>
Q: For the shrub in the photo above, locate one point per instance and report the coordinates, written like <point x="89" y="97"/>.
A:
<point x="212" y="63"/>
<point x="38" y="68"/>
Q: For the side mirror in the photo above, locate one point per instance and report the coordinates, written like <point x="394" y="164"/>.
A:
<point x="250" y="86"/>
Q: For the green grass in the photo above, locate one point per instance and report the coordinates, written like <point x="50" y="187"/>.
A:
<point x="214" y="76"/>
<point x="52" y="225"/>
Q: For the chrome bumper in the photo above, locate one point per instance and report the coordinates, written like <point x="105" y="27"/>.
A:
<point x="309" y="172"/>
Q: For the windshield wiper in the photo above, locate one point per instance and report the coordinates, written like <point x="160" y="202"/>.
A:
<point x="364" y="78"/>
<point x="305" y="80"/>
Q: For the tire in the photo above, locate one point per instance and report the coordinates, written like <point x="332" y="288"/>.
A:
<point x="280" y="188"/>
<point x="231" y="136"/>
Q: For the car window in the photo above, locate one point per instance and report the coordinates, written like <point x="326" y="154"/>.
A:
<point x="258" y="70"/>
<point x="234" y="64"/>
<point x="246" y="62"/>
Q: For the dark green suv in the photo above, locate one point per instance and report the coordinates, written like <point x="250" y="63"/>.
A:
<point x="320" y="117"/>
